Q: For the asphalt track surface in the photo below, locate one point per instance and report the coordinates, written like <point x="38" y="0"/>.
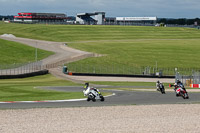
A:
<point x="120" y="98"/>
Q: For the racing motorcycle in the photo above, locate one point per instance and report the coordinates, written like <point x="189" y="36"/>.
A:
<point x="180" y="91"/>
<point x="93" y="94"/>
<point x="161" y="88"/>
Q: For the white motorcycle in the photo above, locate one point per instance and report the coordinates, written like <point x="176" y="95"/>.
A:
<point x="93" y="94"/>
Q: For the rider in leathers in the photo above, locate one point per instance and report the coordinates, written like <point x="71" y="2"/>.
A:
<point x="87" y="88"/>
<point x="158" y="85"/>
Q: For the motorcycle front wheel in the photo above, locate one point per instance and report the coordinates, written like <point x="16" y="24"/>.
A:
<point x="102" y="98"/>
<point x="88" y="99"/>
<point x="186" y="96"/>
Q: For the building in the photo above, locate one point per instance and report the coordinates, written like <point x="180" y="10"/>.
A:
<point x="136" y="20"/>
<point x="40" y="17"/>
<point x="91" y="18"/>
<point x="110" y="21"/>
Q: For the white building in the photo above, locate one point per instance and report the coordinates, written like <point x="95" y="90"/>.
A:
<point x="136" y="20"/>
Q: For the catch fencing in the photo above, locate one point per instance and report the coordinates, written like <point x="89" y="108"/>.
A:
<point x="25" y="68"/>
<point x="128" y="70"/>
<point x="109" y="23"/>
<point x="187" y="80"/>
<point x="18" y="69"/>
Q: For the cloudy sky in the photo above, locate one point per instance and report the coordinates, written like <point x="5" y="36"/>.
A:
<point x="113" y="8"/>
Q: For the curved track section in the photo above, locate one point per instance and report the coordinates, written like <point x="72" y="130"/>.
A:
<point x="120" y="98"/>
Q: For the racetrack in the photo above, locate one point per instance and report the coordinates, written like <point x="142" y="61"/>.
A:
<point x="120" y="97"/>
<point x="167" y="115"/>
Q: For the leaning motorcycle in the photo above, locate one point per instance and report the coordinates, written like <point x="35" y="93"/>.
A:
<point x="93" y="94"/>
<point x="182" y="92"/>
<point x="161" y="88"/>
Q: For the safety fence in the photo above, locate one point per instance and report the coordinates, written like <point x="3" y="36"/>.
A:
<point x="17" y="69"/>
<point x="188" y="79"/>
<point x="24" y="68"/>
<point x="128" y="70"/>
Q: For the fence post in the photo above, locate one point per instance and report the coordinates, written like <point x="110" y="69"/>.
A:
<point x="14" y="69"/>
<point x="21" y="70"/>
<point x="123" y="70"/>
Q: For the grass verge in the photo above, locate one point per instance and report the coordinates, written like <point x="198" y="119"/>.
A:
<point x="24" y="89"/>
<point x="134" y="85"/>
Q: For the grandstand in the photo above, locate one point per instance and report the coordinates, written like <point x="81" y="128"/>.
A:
<point x="40" y="17"/>
<point x="91" y="18"/>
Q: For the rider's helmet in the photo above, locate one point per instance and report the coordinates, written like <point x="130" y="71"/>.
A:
<point x="158" y="81"/>
<point x="86" y="85"/>
<point x="178" y="81"/>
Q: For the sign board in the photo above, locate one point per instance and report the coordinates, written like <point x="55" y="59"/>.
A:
<point x="136" y="18"/>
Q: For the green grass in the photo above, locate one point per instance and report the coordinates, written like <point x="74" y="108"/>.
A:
<point x="74" y="33"/>
<point x="25" y="89"/>
<point x="151" y="85"/>
<point x="125" y="47"/>
<point x="28" y="89"/>
<point x="133" y="55"/>
<point x="12" y="52"/>
<point x="124" y="83"/>
<point x="129" y="84"/>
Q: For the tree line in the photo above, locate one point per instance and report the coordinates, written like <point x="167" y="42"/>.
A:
<point x="6" y="17"/>
<point x="180" y="21"/>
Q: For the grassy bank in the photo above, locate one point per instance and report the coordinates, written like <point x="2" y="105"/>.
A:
<point x="68" y="33"/>
<point x="125" y="47"/>
<point x="131" y="57"/>
<point x="12" y="52"/>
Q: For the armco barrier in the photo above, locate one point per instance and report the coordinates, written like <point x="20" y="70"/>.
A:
<point x="42" y="72"/>
<point x="119" y="75"/>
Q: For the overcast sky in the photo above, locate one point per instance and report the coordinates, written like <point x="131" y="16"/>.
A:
<point x="113" y="8"/>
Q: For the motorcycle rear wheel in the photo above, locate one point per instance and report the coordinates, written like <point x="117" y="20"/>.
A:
<point x="94" y="100"/>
